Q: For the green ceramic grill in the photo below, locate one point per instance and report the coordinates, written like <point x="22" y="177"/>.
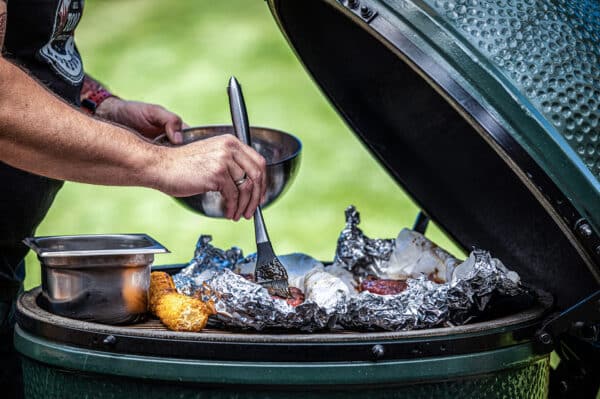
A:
<point x="487" y="113"/>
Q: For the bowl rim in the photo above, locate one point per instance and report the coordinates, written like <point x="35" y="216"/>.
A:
<point x="293" y="155"/>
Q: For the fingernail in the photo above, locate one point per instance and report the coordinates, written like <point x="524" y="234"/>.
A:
<point x="178" y="137"/>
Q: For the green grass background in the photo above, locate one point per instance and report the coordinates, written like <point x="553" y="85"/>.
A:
<point x="180" y="54"/>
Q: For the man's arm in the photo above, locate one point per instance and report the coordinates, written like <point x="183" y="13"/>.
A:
<point x="150" y="120"/>
<point x="42" y="134"/>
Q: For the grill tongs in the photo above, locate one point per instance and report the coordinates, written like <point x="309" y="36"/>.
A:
<point x="269" y="271"/>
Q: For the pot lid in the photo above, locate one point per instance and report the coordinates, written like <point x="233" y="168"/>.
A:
<point x="485" y="112"/>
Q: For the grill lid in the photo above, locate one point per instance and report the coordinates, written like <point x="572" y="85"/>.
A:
<point x="485" y="112"/>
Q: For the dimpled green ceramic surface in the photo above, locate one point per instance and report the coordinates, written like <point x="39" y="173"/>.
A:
<point x="53" y="370"/>
<point x="537" y="64"/>
<point x="549" y="51"/>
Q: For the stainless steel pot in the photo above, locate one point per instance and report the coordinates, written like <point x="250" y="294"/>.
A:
<point x="100" y="278"/>
<point x="281" y="151"/>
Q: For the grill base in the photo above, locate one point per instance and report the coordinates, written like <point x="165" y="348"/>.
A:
<point x="43" y="382"/>
<point x="66" y="358"/>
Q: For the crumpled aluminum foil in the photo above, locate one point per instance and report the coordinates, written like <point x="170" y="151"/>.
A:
<point x="241" y="303"/>
<point x="330" y="296"/>
<point x="425" y="304"/>
<point x="206" y="256"/>
<point x="358" y="253"/>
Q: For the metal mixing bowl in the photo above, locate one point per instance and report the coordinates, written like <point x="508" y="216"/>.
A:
<point x="281" y="151"/>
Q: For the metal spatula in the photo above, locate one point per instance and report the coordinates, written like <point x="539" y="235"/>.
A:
<point x="269" y="271"/>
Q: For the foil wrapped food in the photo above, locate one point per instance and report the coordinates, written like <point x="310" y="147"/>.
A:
<point x="206" y="257"/>
<point x="359" y="253"/>
<point x="426" y="304"/>
<point x="440" y="289"/>
<point x="410" y="255"/>
<point x="225" y="277"/>
<point x="241" y="303"/>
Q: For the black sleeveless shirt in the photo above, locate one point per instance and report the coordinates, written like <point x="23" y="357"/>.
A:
<point x="40" y="39"/>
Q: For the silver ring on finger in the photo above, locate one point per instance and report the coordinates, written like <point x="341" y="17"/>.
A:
<point x="241" y="181"/>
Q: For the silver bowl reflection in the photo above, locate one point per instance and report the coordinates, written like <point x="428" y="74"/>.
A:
<point x="280" y="150"/>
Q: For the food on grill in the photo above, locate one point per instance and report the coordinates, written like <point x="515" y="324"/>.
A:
<point x="358" y="253"/>
<point x="160" y="284"/>
<point x="345" y="275"/>
<point x="296" y="264"/>
<point x="410" y="255"/>
<point x="430" y="289"/>
<point x="324" y="289"/>
<point x="379" y="286"/>
<point x="177" y="311"/>
<point x="296" y="297"/>
<point x="414" y="255"/>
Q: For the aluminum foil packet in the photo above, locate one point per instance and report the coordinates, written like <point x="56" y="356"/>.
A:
<point x="426" y="304"/>
<point x="359" y="253"/>
<point x="410" y="255"/>
<point x="441" y="290"/>
<point x="241" y="303"/>
<point x="206" y="257"/>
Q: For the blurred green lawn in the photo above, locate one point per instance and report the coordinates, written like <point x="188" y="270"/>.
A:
<point x="180" y="54"/>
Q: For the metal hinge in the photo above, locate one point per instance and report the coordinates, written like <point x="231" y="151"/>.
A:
<point x="575" y="336"/>
<point x="580" y="320"/>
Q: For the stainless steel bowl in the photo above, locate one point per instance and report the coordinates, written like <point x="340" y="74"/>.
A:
<point x="99" y="278"/>
<point x="281" y="151"/>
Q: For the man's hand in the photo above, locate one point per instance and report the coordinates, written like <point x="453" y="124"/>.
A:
<point x="214" y="164"/>
<point x="41" y="134"/>
<point x="149" y="120"/>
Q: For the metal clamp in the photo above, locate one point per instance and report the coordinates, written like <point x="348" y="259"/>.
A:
<point x="575" y="335"/>
<point x="580" y="320"/>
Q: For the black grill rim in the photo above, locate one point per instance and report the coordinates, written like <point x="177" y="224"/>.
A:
<point x="316" y="347"/>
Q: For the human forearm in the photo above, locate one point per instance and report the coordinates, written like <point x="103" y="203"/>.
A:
<point x="43" y="135"/>
<point x="149" y="120"/>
